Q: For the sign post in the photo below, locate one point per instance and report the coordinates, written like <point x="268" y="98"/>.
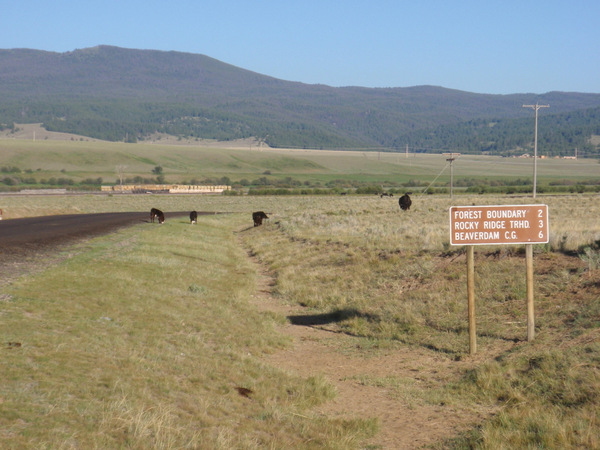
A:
<point x="497" y="225"/>
<point x="530" y="309"/>
<point x="471" y="299"/>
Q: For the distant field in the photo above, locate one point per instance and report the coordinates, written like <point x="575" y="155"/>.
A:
<point x="87" y="159"/>
<point x="571" y="223"/>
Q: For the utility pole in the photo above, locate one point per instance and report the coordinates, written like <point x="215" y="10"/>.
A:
<point x="121" y="171"/>
<point x="451" y="160"/>
<point x="536" y="107"/>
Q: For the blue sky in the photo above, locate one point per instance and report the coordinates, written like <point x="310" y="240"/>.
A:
<point x="484" y="46"/>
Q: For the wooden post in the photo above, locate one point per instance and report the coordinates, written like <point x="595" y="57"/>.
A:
<point x="471" y="295"/>
<point x="532" y="229"/>
<point x="530" y="309"/>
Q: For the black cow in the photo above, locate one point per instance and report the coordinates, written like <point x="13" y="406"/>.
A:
<point x="193" y="217"/>
<point x="405" y="202"/>
<point x="157" y="214"/>
<point x="258" y="217"/>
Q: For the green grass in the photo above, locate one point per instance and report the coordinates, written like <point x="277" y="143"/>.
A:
<point x="86" y="159"/>
<point x="140" y="340"/>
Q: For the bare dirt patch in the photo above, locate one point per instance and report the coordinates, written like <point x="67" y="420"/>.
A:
<point x="35" y="132"/>
<point x="241" y="144"/>
<point x="369" y="383"/>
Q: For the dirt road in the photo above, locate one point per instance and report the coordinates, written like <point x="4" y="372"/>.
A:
<point x="30" y="233"/>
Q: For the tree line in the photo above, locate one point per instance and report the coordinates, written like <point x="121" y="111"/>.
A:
<point x="13" y="178"/>
<point x="558" y="135"/>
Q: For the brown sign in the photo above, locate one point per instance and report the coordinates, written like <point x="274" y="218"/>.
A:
<point x="488" y="225"/>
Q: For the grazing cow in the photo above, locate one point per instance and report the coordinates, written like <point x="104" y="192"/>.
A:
<point x="258" y="217"/>
<point x="157" y="214"/>
<point x="405" y="202"/>
<point x="193" y="217"/>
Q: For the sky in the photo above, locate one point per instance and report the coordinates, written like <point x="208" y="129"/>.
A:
<point x="483" y="46"/>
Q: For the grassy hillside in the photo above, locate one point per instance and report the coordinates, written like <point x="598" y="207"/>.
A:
<point x="80" y="164"/>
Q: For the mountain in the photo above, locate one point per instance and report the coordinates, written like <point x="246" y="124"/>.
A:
<point x="115" y="94"/>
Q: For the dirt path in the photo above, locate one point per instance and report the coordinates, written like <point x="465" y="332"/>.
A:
<point x="370" y="384"/>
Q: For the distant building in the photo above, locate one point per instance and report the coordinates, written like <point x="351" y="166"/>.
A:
<point x="166" y="188"/>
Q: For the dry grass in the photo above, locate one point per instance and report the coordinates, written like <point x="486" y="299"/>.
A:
<point x="140" y="340"/>
<point x="391" y="278"/>
<point x="162" y="371"/>
<point x="78" y="160"/>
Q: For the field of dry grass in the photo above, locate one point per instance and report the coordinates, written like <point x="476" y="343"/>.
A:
<point x="385" y="282"/>
<point x="573" y="220"/>
<point x="87" y="159"/>
<point x="391" y="279"/>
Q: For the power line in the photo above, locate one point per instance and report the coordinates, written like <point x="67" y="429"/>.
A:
<point x="434" y="180"/>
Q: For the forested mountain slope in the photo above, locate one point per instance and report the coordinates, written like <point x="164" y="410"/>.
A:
<point x="125" y="94"/>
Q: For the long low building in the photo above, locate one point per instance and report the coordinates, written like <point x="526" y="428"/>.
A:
<point x="166" y="188"/>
